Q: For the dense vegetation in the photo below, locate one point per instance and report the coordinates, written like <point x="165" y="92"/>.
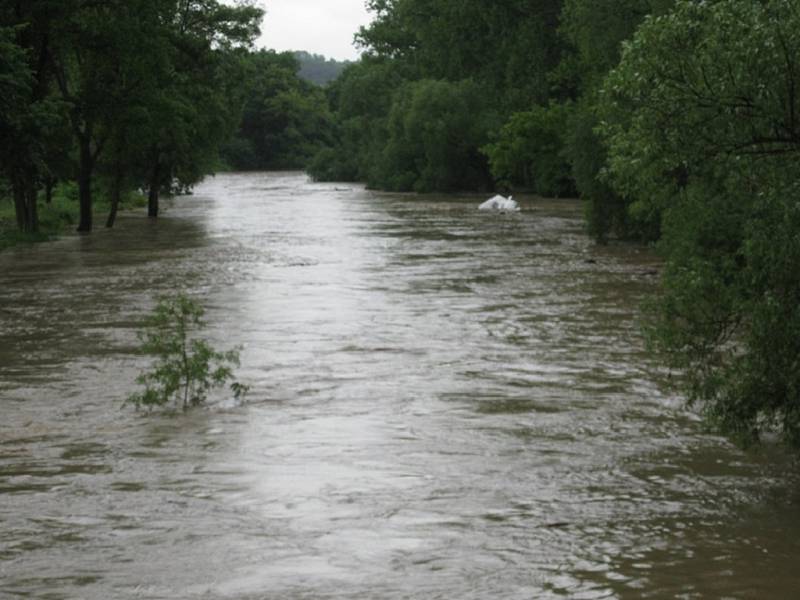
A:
<point x="702" y="123"/>
<point x="677" y="122"/>
<point x="424" y="109"/>
<point x="133" y="93"/>
<point x="285" y="119"/>
<point x="110" y="97"/>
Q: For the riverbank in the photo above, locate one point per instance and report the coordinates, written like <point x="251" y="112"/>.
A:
<point x="57" y="217"/>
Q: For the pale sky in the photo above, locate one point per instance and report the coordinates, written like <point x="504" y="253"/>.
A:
<point x="317" y="26"/>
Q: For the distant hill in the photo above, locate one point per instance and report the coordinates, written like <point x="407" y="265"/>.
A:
<point x="318" y="69"/>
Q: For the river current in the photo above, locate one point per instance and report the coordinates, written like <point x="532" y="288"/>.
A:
<point x="444" y="404"/>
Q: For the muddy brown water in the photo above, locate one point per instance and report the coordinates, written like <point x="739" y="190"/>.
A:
<point x="445" y="404"/>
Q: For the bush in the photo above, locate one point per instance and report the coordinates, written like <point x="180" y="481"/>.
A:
<point x="185" y="368"/>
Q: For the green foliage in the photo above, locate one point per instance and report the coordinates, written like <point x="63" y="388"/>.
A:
<point x="437" y="77"/>
<point x="529" y="151"/>
<point x="596" y="32"/>
<point x="330" y="164"/>
<point x="729" y="316"/>
<point x="605" y="212"/>
<point x="134" y="92"/>
<point x="186" y="368"/>
<point x="58" y="216"/>
<point x="16" y="81"/>
<point x="508" y="46"/>
<point x="700" y="122"/>
<point x="729" y="66"/>
<point x="30" y="122"/>
<point x="361" y="99"/>
<point x="608" y="213"/>
<point x="285" y="119"/>
<point x="435" y="129"/>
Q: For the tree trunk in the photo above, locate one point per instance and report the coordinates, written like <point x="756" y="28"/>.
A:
<point x="25" y="206"/>
<point x="32" y="197"/>
<point x="19" y="203"/>
<point x="85" y="184"/>
<point x="155" y="186"/>
<point x="116" y="193"/>
<point x="49" y="184"/>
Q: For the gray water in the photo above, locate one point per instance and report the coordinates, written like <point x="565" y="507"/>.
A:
<point x="445" y="404"/>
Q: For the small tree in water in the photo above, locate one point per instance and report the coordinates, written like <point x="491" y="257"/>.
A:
<point x="185" y="368"/>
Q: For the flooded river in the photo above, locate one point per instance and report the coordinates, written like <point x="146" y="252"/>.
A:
<point x="445" y="404"/>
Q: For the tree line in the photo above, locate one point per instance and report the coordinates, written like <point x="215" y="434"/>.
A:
<point x="677" y="122"/>
<point x="149" y="95"/>
<point x="133" y="91"/>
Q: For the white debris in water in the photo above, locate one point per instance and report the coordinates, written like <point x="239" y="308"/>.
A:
<point x="500" y="203"/>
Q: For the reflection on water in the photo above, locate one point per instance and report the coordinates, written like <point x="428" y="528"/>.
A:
<point x="445" y="404"/>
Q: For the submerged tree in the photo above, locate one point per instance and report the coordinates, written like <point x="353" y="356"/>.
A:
<point x="186" y="368"/>
<point x="596" y="32"/>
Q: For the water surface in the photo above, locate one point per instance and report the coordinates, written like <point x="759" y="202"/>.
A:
<point x="445" y="404"/>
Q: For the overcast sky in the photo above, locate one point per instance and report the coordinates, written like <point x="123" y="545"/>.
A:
<point x="318" y="26"/>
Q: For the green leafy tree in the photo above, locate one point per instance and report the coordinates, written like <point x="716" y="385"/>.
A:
<point x="30" y="118"/>
<point x="435" y="131"/>
<point x="596" y="32"/>
<point x="186" y="368"/>
<point x="198" y="106"/>
<point x="419" y="54"/>
<point x="131" y="92"/>
<point x="151" y="81"/>
<point x="285" y="119"/>
<point x="16" y="84"/>
<point x="606" y="210"/>
<point x="510" y="46"/>
<point x="100" y="53"/>
<point x="529" y="151"/>
<point x="702" y="129"/>
<point x="360" y="100"/>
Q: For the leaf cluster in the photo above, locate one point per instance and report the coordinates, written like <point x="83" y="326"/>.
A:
<point x="185" y="368"/>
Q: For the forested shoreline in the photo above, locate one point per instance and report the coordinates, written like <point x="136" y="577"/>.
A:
<point x="101" y="100"/>
<point x="677" y="122"/>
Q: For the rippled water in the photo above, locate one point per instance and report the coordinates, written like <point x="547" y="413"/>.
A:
<point x="445" y="404"/>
